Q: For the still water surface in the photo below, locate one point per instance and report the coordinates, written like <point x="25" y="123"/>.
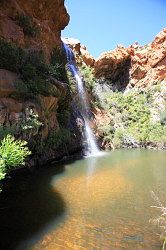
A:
<point x="95" y="203"/>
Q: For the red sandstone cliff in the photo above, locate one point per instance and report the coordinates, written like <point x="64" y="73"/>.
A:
<point x="80" y="51"/>
<point x="135" y="66"/>
<point x="50" y="16"/>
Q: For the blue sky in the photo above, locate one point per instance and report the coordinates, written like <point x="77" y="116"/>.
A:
<point x="102" y="24"/>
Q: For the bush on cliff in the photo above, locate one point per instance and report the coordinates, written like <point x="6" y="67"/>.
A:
<point x="59" y="138"/>
<point x="57" y="66"/>
<point x="2" y="170"/>
<point x="11" y="56"/>
<point x="29" y="27"/>
<point x="88" y="77"/>
<point x="34" y="73"/>
<point x="7" y="130"/>
<point x="33" y="69"/>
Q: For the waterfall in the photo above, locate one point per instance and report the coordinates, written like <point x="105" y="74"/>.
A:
<point x="92" y="148"/>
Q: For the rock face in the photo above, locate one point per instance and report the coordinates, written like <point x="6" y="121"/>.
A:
<point x="34" y="27"/>
<point x="80" y="51"/>
<point x="7" y="79"/>
<point x="50" y="17"/>
<point x="135" y="66"/>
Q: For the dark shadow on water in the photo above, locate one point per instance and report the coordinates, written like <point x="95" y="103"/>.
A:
<point x="29" y="206"/>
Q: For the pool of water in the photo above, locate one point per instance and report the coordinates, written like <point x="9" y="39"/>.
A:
<point x="96" y="203"/>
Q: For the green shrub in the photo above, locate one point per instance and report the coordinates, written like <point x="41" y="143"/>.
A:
<point x="88" y="76"/>
<point x="12" y="154"/>
<point x="54" y="70"/>
<point x="33" y="70"/>
<point x="42" y="87"/>
<point x="5" y="130"/>
<point x="59" y="138"/>
<point x="132" y="112"/>
<point x="34" y="65"/>
<point x="29" y="27"/>
<point x="21" y="87"/>
<point x="2" y="170"/>
<point x="118" y="138"/>
<point x="35" y="74"/>
<point x="37" y="60"/>
<point x="63" y="116"/>
<point x="157" y="132"/>
<point x="11" y="56"/>
<point x="106" y="128"/>
<point x="163" y="118"/>
<point x="72" y="84"/>
<point x="58" y="65"/>
<point x="32" y="122"/>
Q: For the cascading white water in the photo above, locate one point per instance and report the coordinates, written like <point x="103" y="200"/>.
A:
<point x="92" y="148"/>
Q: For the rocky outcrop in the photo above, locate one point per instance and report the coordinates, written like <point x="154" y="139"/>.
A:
<point x="36" y="114"/>
<point x="49" y="17"/>
<point x="80" y="51"/>
<point x="135" y="66"/>
<point x="7" y="79"/>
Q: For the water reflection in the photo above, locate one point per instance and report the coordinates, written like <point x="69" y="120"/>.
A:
<point x="30" y="208"/>
<point x="91" y="166"/>
<point x="106" y="203"/>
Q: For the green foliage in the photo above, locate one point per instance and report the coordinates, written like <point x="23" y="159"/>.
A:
<point x="106" y="128"/>
<point x="11" y="56"/>
<point x="64" y="110"/>
<point x="29" y="27"/>
<point x="58" y="65"/>
<point x="32" y="122"/>
<point x="36" y="60"/>
<point x="21" y="87"/>
<point x="72" y="83"/>
<point x="25" y="127"/>
<point x="156" y="132"/>
<point x="54" y="70"/>
<point x="2" y="169"/>
<point x="88" y="76"/>
<point x="131" y="120"/>
<point x="59" y="138"/>
<point x="12" y="154"/>
<point x="34" y="74"/>
<point x="33" y="69"/>
<point x="118" y="138"/>
<point x="5" y="130"/>
<point x="163" y="118"/>
<point x="63" y="116"/>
